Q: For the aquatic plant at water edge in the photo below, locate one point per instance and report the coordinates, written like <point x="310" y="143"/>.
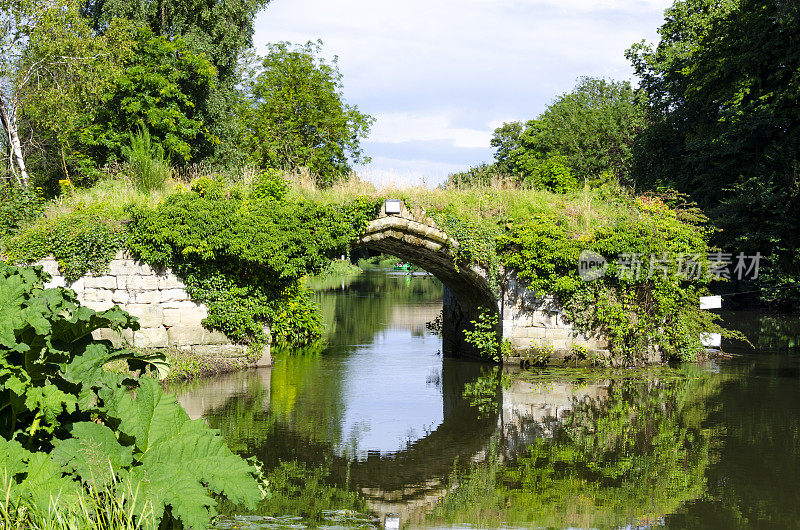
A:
<point x="68" y="427"/>
<point x="483" y="335"/>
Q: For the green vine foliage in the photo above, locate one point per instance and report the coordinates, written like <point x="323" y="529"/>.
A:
<point x="82" y="241"/>
<point x="246" y="256"/>
<point x="68" y="427"/>
<point x="477" y="241"/>
<point x="641" y="316"/>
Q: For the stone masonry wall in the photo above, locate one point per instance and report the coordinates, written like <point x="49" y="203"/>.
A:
<point x="529" y="321"/>
<point x="158" y="298"/>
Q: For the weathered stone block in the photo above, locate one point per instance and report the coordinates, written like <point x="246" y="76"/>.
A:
<point x="90" y="294"/>
<point x="520" y="343"/>
<point x="536" y="333"/>
<point x="120" y="296"/>
<point x="543" y="318"/>
<point x="142" y="283"/>
<point x="97" y="305"/>
<point x="214" y="337"/>
<point x="149" y="315"/>
<point x="185" y="335"/>
<point x="120" y="267"/>
<point x="170" y="281"/>
<point x="150" y="338"/>
<point x="189" y="335"/>
<point x="190" y="315"/>
<point x="558" y="334"/>
<point x="146" y="297"/>
<point x="174" y="295"/>
<point x="134" y="268"/>
<point x="100" y="282"/>
<point x="78" y="285"/>
<point x="224" y="350"/>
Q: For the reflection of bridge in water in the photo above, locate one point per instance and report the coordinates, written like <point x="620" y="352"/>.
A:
<point x="409" y="481"/>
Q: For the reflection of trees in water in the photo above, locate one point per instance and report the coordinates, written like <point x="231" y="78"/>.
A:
<point x="253" y="421"/>
<point x="631" y="457"/>
<point x="767" y="332"/>
<point x="753" y="482"/>
<point x="354" y="314"/>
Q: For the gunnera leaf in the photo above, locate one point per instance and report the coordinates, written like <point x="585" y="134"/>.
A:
<point x="182" y="461"/>
<point x="34" y="478"/>
<point x="93" y="453"/>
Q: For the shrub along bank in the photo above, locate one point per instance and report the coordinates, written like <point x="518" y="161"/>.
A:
<point x="244" y="250"/>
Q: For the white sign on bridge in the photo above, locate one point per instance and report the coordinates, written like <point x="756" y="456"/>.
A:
<point x="710" y="302"/>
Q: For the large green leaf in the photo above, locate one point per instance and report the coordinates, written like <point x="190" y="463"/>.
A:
<point x="34" y="477"/>
<point x="93" y="453"/>
<point x="12" y="291"/>
<point x="48" y="402"/>
<point x="12" y="460"/>
<point x="182" y="460"/>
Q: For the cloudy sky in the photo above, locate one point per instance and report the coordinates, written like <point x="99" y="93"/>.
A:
<point x="440" y="75"/>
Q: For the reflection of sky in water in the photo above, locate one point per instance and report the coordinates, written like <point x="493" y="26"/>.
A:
<point x="390" y="393"/>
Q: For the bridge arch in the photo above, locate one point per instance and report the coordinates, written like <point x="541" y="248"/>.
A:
<point x="414" y="237"/>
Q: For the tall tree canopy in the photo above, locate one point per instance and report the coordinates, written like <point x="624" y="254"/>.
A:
<point x="296" y="115"/>
<point x="724" y="95"/>
<point x="220" y="30"/>
<point x="53" y="69"/>
<point x="163" y="88"/>
<point x="587" y="133"/>
<point x="593" y="128"/>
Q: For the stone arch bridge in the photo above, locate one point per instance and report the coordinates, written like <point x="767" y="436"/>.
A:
<point x="525" y="319"/>
<point x="170" y="318"/>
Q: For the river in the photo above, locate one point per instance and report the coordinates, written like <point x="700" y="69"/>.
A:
<point x="380" y="425"/>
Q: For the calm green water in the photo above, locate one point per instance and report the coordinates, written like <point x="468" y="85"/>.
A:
<point x="379" y="424"/>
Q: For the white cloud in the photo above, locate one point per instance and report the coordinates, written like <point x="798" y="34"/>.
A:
<point x="453" y="70"/>
<point x="399" y="127"/>
<point x="401" y="173"/>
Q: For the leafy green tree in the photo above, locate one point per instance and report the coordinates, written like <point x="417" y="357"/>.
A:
<point x="722" y="85"/>
<point x="553" y="174"/>
<point x="296" y="116"/>
<point x="71" y="71"/>
<point x="593" y="128"/>
<point x="162" y="88"/>
<point x="51" y="69"/>
<point x="219" y="30"/>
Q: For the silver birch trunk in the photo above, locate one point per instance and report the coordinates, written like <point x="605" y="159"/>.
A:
<point x="9" y="123"/>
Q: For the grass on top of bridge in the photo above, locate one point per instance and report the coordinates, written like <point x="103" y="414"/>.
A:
<point x="583" y="209"/>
